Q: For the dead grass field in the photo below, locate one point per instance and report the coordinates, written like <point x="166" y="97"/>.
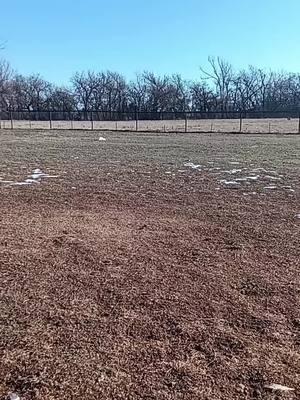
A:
<point x="135" y="273"/>
<point x="266" y="125"/>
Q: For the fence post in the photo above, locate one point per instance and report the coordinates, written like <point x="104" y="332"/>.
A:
<point x="11" y="121"/>
<point x="50" y="119"/>
<point x="92" y="121"/>
<point x="0" y="119"/>
<point x="299" y="123"/>
<point x="241" y="122"/>
<point x="185" y="122"/>
<point x="136" y="121"/>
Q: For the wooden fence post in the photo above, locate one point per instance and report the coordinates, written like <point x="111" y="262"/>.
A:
<point x="136" y="121"/>
<point x="50" y="119"/>
<point x="11" y="120"/>
<point x="185" y="123"/>
<point x="241" y="122"/>
<point x="92" y="121"/>
<point x="299" y="123"/>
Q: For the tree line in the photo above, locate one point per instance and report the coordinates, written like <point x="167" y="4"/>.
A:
<point x="219" y="88"/>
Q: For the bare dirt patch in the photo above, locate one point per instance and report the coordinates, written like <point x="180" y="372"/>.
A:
<point x="133" y="275"/>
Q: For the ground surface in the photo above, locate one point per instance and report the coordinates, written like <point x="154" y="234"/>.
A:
<point x="131" y="275"/>
<point x="262" y="125"/>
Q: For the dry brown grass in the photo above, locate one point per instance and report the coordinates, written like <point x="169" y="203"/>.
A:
<point x="127" y="279"/>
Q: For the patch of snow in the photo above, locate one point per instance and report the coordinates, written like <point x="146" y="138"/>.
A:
<point x="13" y="396"/>
<point x="192" y="165"/>
<point x="31" y="181"/>
<point x="20" y="184"/>
<point x="232" y="184"/>
<point x="276" y="386"/>
<point x="271" y="187"/>
<point x="298" y="216"/>
<point x="38" y="174"/>
<point x="168" y="172"/>
<point x="272" y="178"/>
<point x="102" y="139"/>
<point x="252" y="178"/>
<point x="233" y="171"/>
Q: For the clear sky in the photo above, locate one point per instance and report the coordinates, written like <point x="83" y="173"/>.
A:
<point x="58" y="37"/>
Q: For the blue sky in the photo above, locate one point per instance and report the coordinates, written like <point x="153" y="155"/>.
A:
<point x="58" y="37"/>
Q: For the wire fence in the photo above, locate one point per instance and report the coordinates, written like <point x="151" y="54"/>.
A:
<point x="286" y="121"/>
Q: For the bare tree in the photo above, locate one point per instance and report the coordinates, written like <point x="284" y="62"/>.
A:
<point x="222" y="77"/>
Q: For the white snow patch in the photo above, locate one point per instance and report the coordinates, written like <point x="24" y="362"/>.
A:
<point x="271" y="187"/>
<point x="192" y="165"/>
<point x="252" y="178"/>
<point x="298" y="216"/>
<point x="232" y="184"/>
<point x="276" y="386"/>
<point x="272" y="178"/>
<point x="233" y="171"/>
<point x="102" y="139"/>
<point x="13" y="396"/>
<point x="38" y="174"/>
<point x="20" y="184"/>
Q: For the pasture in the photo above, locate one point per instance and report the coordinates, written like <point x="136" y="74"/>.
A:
<point x="249" y="125"/>
<point x="149" y="265"/>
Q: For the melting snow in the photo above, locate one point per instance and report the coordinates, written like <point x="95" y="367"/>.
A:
<point x="233" y="171"/>
<point x="252" y="178"/>
<point x="271" y="187"/>
<point x="275" y="386"/>
<point x="192" y="165"/>
<point x="272" y="178"/>
<point x="229" y="183"/>
<point x="34" y="178"/>
<point x="102" y="139"/>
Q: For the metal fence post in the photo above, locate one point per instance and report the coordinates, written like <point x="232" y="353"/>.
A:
<point x="185" y="122"/>
<point x="50" y="119"/>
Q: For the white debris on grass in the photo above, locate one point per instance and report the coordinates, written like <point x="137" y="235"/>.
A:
<point x="276" y="386"/>
<point x="192" y="165"/>
<point x="298" y="216"/>
<point x="102" y="139"/>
